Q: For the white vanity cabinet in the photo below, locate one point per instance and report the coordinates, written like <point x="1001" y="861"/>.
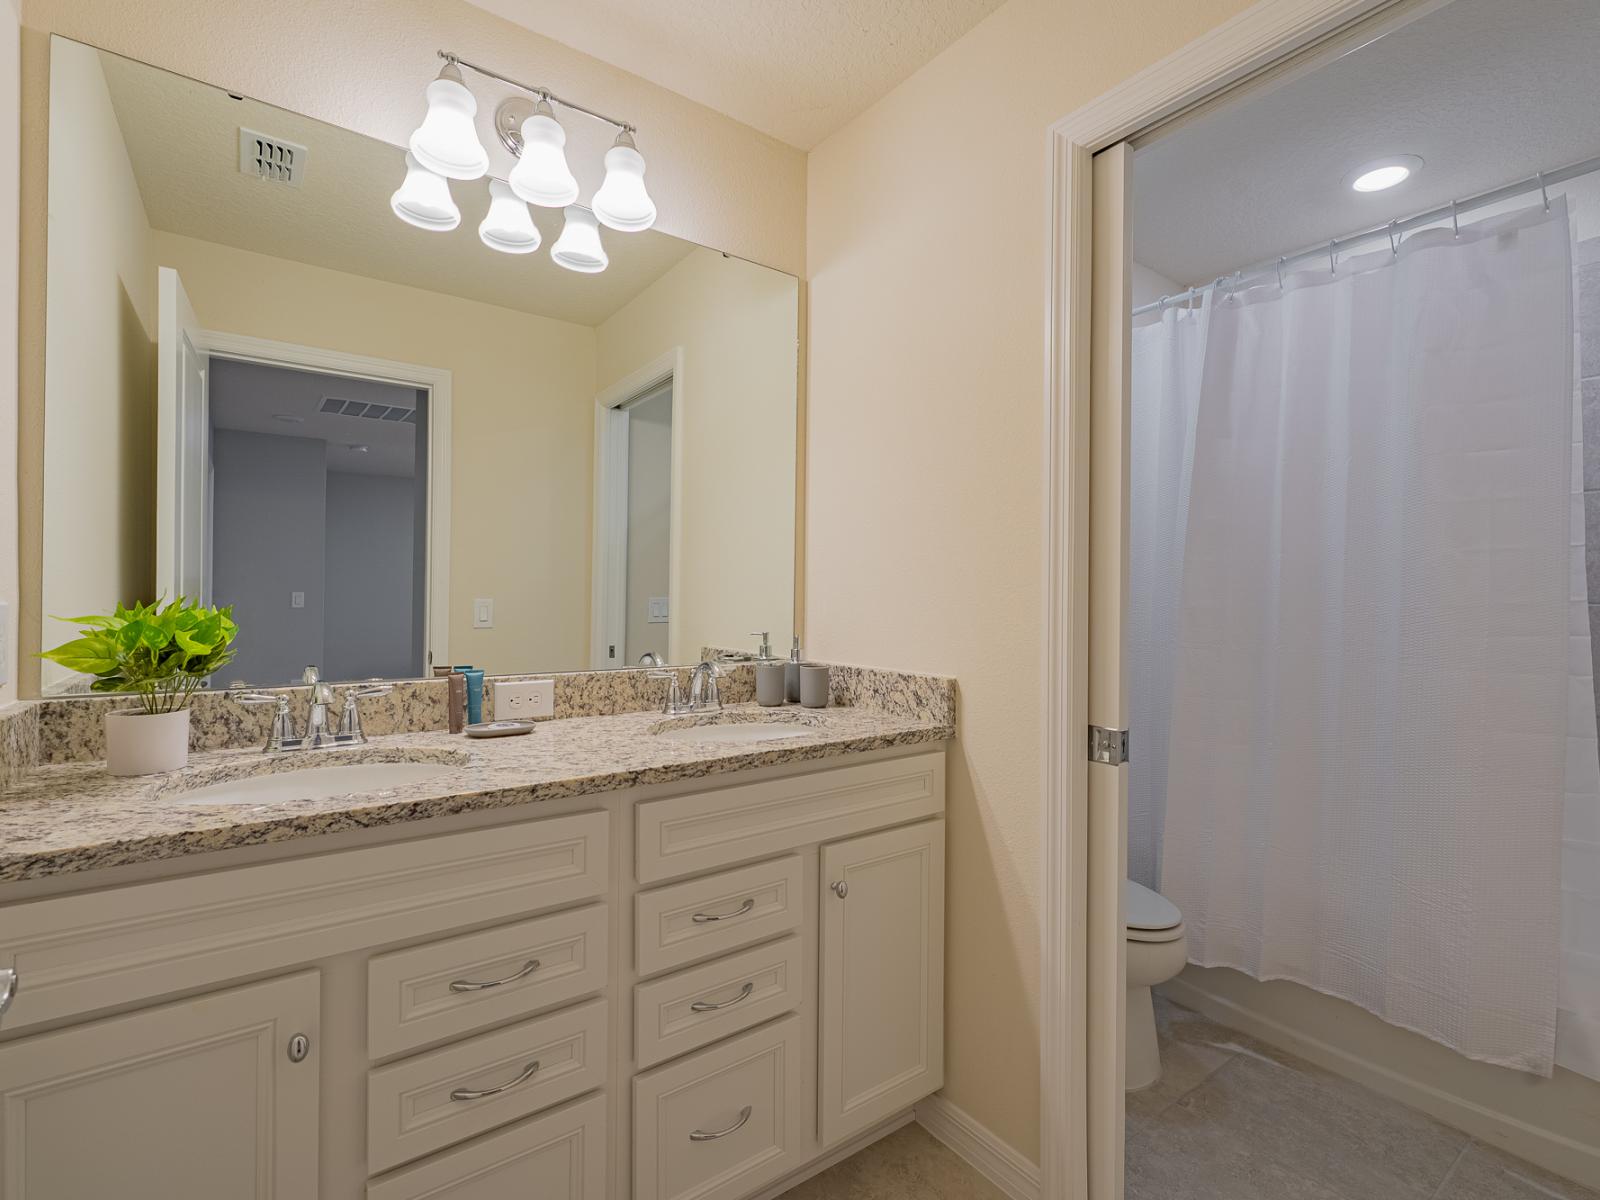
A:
<point x="675" y="992"/>
<point x="198" y="1097"/>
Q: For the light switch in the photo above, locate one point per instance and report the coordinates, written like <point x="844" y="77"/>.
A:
<point x="297" y="599"/>
<point x="483" y="614"/>
<point x="658" y="610"/>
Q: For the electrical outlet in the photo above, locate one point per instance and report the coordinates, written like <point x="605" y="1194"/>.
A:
<point x="522" y="699"/>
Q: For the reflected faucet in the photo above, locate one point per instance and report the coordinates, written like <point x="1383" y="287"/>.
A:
<point x="651" y="659"/>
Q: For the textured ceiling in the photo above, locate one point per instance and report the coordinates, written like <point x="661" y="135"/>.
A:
<point x="794" y="69"/>
<point x="1486" y="91"/>
<point x="183" y="139"/>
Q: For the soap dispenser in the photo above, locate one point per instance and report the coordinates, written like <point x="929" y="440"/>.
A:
<point x="791" y="673"/>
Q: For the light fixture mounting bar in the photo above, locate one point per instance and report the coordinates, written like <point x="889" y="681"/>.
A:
<point x="543" y="93"/>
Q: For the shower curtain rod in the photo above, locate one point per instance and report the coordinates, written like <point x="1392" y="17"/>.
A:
<point x="1540" y="182"/>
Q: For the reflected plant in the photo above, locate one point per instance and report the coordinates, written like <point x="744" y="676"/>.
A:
<point x="160" y="653"/>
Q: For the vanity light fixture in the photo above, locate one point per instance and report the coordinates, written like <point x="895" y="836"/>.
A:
<point x="424" y="199"/>
<point x="1383" y="173"/>
<point x="578" y="248"/>
<point x="622" y="203"/>
<point x="446" y="146"/>
<point x="508" y="226"/>
<point x="541" y="175"/>
<point x="447" y="142"/>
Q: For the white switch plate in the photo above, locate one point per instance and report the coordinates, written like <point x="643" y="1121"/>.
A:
<point x="483" y="614"/>
<point x="658" y="610"/>
<point x="524" y="699"/>
<point x="297" y="599"/>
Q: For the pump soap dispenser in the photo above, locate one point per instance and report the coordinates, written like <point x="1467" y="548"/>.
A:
<point x="791" y="673"/>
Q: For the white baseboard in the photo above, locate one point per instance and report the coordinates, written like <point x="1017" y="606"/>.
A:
<point x="1386" y="1067"/>
<point x="837" y="1155"/>
<point x="1001" y="1164"/>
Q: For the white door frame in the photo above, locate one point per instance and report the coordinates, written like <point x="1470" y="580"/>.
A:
<point x="608" y="593"/>
<point x="1074" y="1162"/>
<point x="436" y="624"/>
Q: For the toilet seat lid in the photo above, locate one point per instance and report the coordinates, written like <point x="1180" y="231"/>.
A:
<point x="1145" y="909"/>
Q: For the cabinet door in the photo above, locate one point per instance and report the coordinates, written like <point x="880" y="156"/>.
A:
<point x="882" y="976"/>
<point x="193" y="1100"/>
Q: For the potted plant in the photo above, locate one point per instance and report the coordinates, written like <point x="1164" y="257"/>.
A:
<point x="160" y="653"/>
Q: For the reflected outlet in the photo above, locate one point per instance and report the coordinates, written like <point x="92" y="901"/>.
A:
<point x="524" y="699"/>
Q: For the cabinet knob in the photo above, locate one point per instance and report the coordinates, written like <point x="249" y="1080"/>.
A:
<point x="8" y="988"/>
<point x="840" y="889"/>
<point x="299" y="1047"/>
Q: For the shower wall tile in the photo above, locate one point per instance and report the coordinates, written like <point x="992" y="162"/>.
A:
<point x="1591" y="443"/>
<point x="1588" y="311"/>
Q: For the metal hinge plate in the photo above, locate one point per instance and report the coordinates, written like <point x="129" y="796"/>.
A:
<point x="1109" y="746"/>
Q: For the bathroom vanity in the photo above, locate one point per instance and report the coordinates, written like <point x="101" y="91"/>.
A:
<point x="592" y="962"/>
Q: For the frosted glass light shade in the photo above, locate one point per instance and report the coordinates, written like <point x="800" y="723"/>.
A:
<point x="447" y="141"/>
<point x="509" y="226"/>
<point x="578" y="248"/>
<point x="424" y="199"/>
<point x="541" y="175"/>
<point x="622" y="203"/>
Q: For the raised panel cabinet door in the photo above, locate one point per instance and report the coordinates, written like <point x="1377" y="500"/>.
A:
<point x="882" y="976"/>
<point x="199" y="1099"/>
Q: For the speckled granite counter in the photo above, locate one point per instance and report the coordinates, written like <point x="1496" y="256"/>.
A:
<point x="74" y="817"/>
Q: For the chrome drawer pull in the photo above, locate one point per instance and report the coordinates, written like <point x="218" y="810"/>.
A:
<point x="473" y="1094"/>
<point x="9" y="981"/>
<point x="707" y="1006"/>
<point x="700" y="1135"/>
<point x="707" y="918"/>
<point x="469" y="985"/>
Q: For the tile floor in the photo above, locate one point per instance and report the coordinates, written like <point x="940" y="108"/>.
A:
<point x="1234" y="1119"/>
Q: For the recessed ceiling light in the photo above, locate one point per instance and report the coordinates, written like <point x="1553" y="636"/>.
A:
<point x="1383" y="173"/>
<point x="288" y="418"/>
<point x="355" y="448"/>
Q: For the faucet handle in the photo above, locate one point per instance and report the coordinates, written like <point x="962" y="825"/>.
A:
<point x="673" y="698"/>
<point x="280" y="733"/>
<point x="350" y="718"/>
<point x="311" y="674"/>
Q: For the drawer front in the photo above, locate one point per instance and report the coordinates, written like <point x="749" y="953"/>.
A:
<point x="681" y="924"/>
<point x="723" y="1122"/>
<point x="74" y="954"/>
<point x="558" y="1156"/>
<point x="704" y="830"/>
<point x="427" y="1102"/>
<point x="461" y="984"/>
<point x="695" y="1007"/>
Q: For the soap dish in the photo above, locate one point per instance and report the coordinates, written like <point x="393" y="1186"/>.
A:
<point x="494" y="729"/>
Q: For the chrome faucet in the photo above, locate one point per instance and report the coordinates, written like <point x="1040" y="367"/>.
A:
<point x="703" y="691"/>
<point x="281" y="733"/>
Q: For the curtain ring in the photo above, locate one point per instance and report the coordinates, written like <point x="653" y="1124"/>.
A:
<point x="1280" y="272"/>
<point x="1394" y="246"/>
<point x="1333" y="262"/>
<point x="1161" y="305"/>
<point x="1455" y="220"/>
<point x="1543" y="191"/>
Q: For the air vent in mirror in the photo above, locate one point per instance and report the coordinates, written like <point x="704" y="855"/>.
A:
<point x="372" y="412"/>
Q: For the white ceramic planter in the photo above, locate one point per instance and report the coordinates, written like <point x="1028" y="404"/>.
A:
<point x="139" y="743"/>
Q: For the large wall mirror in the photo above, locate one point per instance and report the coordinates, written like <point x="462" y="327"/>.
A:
<point x="391" y="448"/>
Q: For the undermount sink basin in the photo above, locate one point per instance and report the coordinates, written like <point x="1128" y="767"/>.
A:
<point x="314" y="783"/>
<point x="748" y="731"/>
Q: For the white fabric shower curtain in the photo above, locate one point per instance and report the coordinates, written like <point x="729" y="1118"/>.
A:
<point x="1368" y="758"/>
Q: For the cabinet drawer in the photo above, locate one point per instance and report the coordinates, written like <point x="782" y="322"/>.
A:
<point x="693" y="1008"/>
<point x="721" y="1123"/>
<point x="703" y="830"/>
<point x="456" y="985"/>
<point x="689" y="921"/>
<point x="558" y="1156"/>
<point x="421" y="1104"/>
<point x="74" y="954"/>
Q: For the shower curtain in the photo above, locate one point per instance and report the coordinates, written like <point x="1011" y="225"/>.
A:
<point x="1359" y="706"/>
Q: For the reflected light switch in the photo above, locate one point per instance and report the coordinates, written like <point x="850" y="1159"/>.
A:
<point x="658" y="610"/>
<point x="297" y="599"/>
<point x="483" y="614"/>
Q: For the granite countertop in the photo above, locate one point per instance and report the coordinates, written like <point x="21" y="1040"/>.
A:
<point x="75" y="817"/>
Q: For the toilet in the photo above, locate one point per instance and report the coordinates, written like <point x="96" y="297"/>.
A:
<point x="1157" y="951"/>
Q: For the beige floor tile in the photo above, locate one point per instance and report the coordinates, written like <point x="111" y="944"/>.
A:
<point x="1192" y="1047"/>
<point x="909" y="1164"/>
<point x="1484" y="1173"/>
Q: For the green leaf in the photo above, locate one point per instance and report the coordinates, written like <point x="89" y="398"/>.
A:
<point x="159" y="650"/>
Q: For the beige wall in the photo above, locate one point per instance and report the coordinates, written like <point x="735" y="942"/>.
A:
<point x="10" y="129"/>
<point x="99" y="437"/>
<point x="734" y="419"/>
<point x="522" y="441"/>
<point x="925" y="252"/>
